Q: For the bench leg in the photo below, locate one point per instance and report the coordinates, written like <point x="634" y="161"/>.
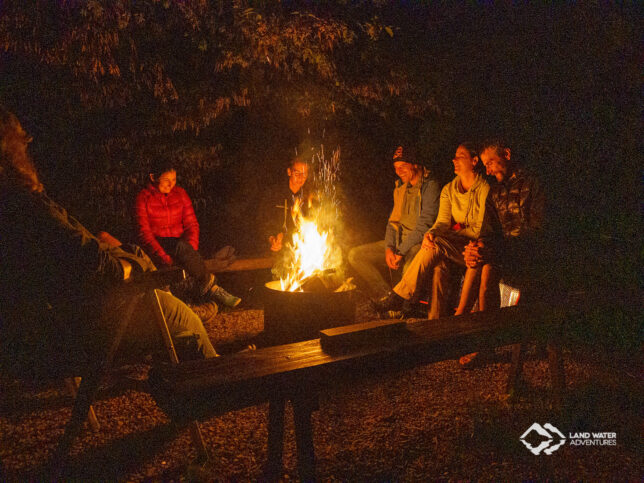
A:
<point x="73" y="384"/>
<point x="557" y="374"/>
<point x="273" y="468"/>
<point x="516" y="367"/>
<point x="197" y="439"/>
<point x="86" y="393"/>
<point x="302" y="410"/>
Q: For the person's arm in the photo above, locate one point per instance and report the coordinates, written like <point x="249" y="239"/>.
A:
<point x="444" y="217"/>
<point x="391" y="231"/>
<point x="530" y="238"/>
<point x="145" y="234"/>
<point x="189" y="221"/>
<point x="490" y="241"/>
<point x="430" y="198"/>
<point x="83" y="253"/>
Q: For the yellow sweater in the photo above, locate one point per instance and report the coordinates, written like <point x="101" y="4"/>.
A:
<point x="467" y="209"/>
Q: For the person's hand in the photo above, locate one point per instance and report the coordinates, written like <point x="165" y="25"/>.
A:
<point x="166" y="260"/>
<point x="108" y="239"/>
<point x="474" y="254"/>
<point x="392" y="259"/>
<point x="428" y="242"/>
<point x="276" y="242"/>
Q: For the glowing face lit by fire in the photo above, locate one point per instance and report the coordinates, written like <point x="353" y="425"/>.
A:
<point x="496" y="165"/>
<point x="166" y="182"/>
<point x="297" y="175"/>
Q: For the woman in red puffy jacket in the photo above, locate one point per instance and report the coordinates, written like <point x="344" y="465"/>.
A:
<point x="169" y="231"/>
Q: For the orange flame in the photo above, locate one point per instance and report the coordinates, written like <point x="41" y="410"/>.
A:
<point x="313" y="250"/>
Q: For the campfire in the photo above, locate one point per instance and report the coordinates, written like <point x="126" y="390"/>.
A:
<point x="311" y="293"/>
<point x="313" y="261"/>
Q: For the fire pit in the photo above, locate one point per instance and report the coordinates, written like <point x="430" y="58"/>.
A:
<point x="311" y="294"/>
<point x="295" y="316"/>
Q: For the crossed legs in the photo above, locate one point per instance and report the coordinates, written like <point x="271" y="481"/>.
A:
<point x="432" y="261"/>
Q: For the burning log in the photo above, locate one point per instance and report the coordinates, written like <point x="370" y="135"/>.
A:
<point x="313" y="283"/>
<point x="327" y="281"/>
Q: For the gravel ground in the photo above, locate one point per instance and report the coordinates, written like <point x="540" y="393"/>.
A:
<point x="434" y="422"/>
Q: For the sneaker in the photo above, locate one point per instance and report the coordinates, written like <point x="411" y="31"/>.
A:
<point x="223" y="297"/>
<point x="390" y="302"/>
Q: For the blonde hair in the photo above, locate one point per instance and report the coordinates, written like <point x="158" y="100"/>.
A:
<point x="15" y="163"/>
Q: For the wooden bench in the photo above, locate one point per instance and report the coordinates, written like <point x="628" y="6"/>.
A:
<point x="215" y="265"/>
<point x="299" y="372"/>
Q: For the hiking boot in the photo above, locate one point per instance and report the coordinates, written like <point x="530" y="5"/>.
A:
<point x="220" y="295"/>
<point x="390" y="302"/>
<point x="413" y="310"/>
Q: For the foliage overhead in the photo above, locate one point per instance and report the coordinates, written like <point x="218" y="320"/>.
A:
<point x="188" y="62"/>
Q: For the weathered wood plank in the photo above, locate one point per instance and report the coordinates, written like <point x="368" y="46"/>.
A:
<point x="242" y="264"/>
<point x="350" y="336"/>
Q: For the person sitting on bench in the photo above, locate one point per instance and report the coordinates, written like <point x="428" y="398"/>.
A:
<point x="169" y="232"/>
<point x="459" y="220"/>
<point x="416" y="201"/>
<point x="514" y="218"/>
<point x="62" y="294"/>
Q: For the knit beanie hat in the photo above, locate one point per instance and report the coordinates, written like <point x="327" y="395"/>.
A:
<point x="405" y="155"/>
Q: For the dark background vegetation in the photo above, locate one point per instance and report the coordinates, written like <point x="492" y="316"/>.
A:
<point x="229" y="89"/>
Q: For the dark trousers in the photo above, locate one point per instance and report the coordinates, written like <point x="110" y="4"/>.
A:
<point x="187" y="258"/>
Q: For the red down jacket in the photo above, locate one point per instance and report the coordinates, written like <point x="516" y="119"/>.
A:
<point x="160" y="216"/>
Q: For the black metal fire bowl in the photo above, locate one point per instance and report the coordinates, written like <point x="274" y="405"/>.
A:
<point x="296" y="316"/>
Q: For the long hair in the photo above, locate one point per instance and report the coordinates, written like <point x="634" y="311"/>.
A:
<point x="15" y="162"/>
<point x="473" y="150"/>
<point x="162" y="164"/>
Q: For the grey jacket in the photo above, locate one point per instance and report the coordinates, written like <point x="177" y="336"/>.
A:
<point x="429" y="202"/>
